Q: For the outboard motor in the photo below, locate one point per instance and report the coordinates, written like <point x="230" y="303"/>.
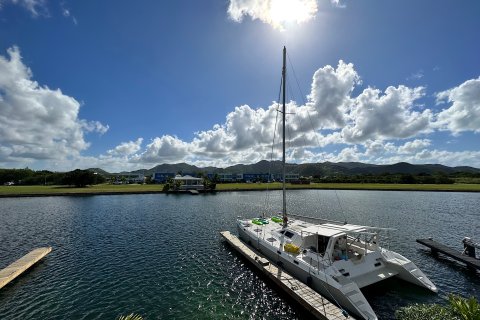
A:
<point x="469" y="247"/>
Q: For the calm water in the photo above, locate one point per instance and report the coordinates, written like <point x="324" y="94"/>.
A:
<point x="162" y="256"/>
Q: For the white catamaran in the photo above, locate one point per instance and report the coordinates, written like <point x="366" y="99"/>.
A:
<point x="336" y="259"/>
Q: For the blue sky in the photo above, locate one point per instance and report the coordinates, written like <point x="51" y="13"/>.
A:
<point x="127" y="85"/>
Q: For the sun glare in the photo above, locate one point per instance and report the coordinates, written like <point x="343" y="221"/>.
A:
<point x="288" y="11"/>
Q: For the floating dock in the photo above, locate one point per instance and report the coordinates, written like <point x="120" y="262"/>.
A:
<point x="436" y="247"/>
<point x="21" y="265"/>
<point x="312" y="301"/>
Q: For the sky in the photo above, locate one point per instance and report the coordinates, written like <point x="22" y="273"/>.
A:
<point x="124" y="85"/>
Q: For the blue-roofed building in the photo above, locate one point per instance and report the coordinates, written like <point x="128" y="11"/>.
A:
<point x="257" y="177"/>
<point x="162" y="177"/>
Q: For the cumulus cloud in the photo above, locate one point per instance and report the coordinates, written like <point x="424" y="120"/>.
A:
<point x="349" y="154"/>
<point x="35" y="7"/>
<point x="445" y="157"/>
<point x="387" y="116"/>
<point x="414" y="146"/>
<point x="126" y="148"/>
<point x="165" y="149"/>
<point x="377" y="148"/>
<point x="37" y="122"/>
<point x="330" y="93"/>
<point x="371" y="124"/>
<point x="387" y="154"/>
<point x="273" y="12"/>
<point x="94" y="126"/>
<point x="464" y="112"/>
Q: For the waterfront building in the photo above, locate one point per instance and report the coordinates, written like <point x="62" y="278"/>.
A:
<point x="188" y="182"/>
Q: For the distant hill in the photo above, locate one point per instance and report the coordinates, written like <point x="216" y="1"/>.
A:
<point x="175" y="168"/>
<point x="308" y="169"/>
<point x="100" y="171"/>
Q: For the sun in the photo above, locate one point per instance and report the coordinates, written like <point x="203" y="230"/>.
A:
<point x="288" y="11"/>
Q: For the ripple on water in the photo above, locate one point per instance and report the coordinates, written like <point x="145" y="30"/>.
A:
<point x="162" y="256"/>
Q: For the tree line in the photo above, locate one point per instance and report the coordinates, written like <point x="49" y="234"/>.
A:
<point x="402" y="178"/>
<point x="78" y="178"/>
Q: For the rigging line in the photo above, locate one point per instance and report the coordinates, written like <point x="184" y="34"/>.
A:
<point x="267" y="196"/>
<point x="303" y="136"/>
<point x="342" y="210"/>
<point x="289" y="132"/>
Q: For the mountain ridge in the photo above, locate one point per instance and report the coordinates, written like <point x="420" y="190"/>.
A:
<point x="306" y="169"/>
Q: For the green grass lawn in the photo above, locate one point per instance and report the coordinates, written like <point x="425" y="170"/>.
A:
<point x="146" y="188"/>
<point x="101" y="188"/>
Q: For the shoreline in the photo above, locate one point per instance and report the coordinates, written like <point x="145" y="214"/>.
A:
<point x="53" y="191"/>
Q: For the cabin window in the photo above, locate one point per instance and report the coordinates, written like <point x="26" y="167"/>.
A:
<point x="289" y="234"/>
<point x="322" y="243"/>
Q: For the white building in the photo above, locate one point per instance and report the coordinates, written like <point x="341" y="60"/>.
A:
<point x="188" y="182"/>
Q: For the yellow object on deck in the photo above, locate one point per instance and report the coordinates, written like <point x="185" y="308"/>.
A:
<point x="21" y="265"/>
<point x="318" y="306"/>
<point x="291" y="248"/>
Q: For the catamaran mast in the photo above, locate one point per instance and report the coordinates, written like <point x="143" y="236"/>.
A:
<point x="284" y="80"/>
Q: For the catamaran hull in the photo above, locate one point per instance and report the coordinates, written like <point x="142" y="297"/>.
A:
<point x="407" y="270"/>
<point x="348" y="296"/>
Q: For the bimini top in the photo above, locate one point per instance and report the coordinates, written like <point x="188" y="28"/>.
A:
<point x="330" y="230"/>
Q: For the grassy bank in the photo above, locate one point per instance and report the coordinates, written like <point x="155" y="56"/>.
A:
<point x="64" y="190"/>
<point x="150" y="188"/>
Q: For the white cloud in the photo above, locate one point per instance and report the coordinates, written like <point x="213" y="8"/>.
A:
<point x="37" y="122"/>
<point x="414" y="146"/>
<point x="126" y="148"/>
<point x="40" y="124"/>
<point x="370" y="122"/>
<point x="350" y="154"/>
<point x="35" y="7"/>
<point x="464" y="113"/>
<point x="166" y="149"/>
<point x="330" y="94"/>
<point x="387" y="116"/>
<point x="273" y="12"/>
<point x="445" y="157"/>
<point x="377" y="148"/>
<point x="388" y="155"/>
<point x="94" y="126"/>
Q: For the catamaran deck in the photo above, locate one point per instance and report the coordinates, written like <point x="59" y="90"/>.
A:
<point x="21" y="265"/>
<point x="312" y="301"/>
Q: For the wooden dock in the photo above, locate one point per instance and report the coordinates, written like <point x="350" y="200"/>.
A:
<point x="312" y="301"/>
<point x="21" y="265"/>
<point x="436" y="247"/>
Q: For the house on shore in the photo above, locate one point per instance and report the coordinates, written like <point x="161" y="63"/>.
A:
<point x="188" y="182"/>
